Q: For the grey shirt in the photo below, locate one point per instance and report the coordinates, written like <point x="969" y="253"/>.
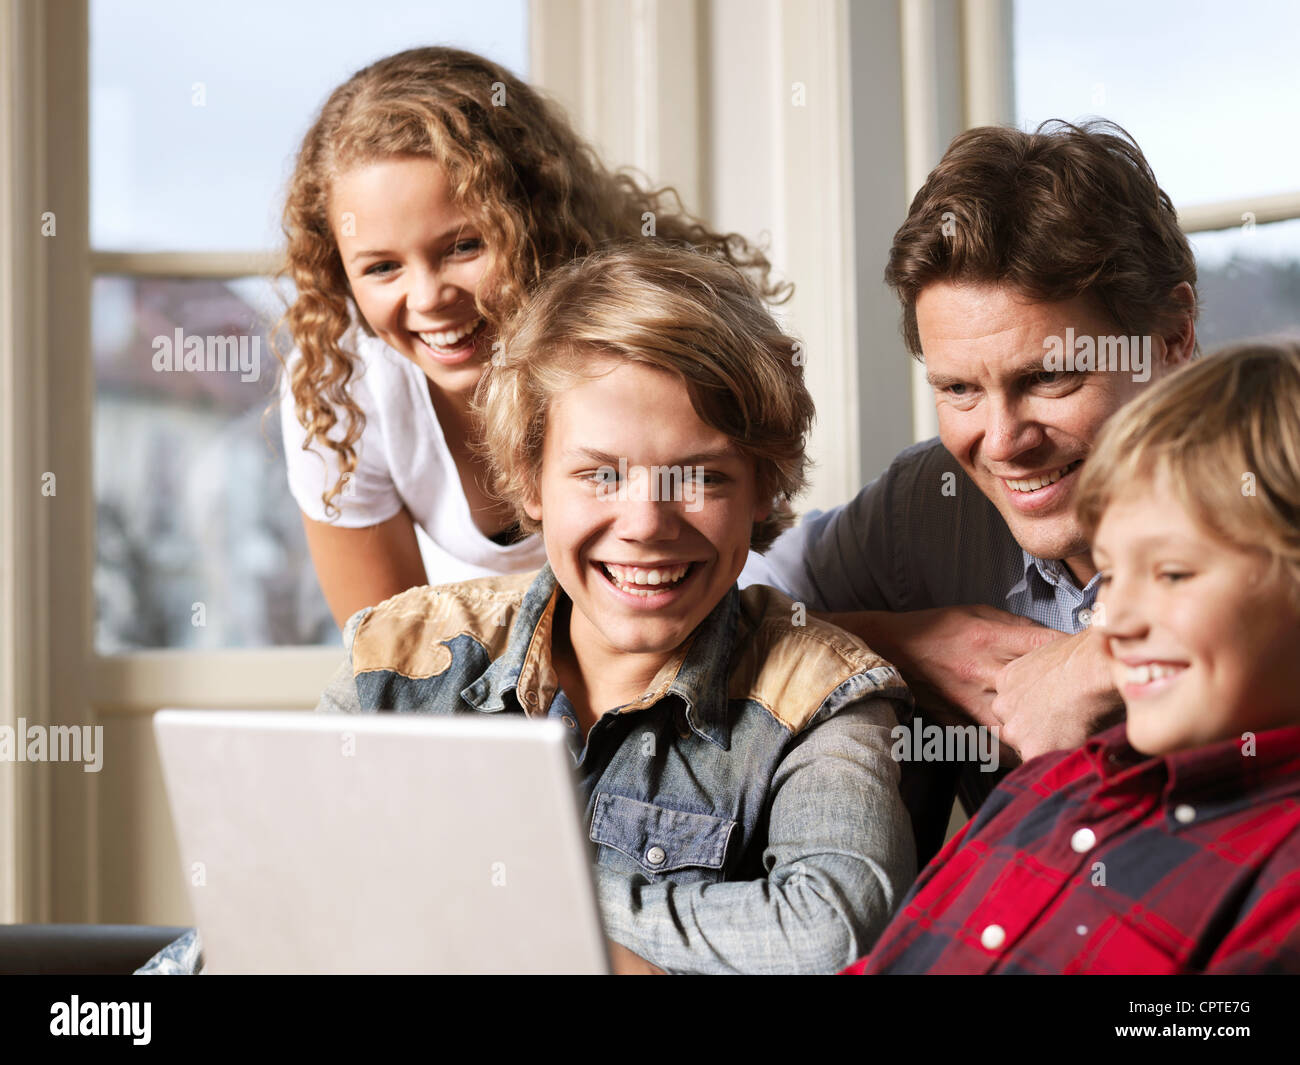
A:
<point x="920" y="535"/>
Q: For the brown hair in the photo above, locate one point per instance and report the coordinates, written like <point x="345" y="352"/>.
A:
<point x="1062" y="212"/>
<point x="692" y="314"/>
<point x="1224" y="432"/>
<point x="538" y="192"/>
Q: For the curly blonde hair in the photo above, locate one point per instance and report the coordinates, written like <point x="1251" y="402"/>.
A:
<point x="689" y="313"/>
<point x="539" y="193"/>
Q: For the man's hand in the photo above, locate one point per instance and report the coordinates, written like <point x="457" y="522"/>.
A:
<point x="628" y="963"/>
<point x="1054" y="697"/>
<point x="951" y="656"/>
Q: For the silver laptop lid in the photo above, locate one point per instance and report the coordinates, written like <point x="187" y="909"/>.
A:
<point x="394" y="843"/>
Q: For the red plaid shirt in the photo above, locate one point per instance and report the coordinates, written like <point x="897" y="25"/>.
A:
<point x="1104" y="860"/>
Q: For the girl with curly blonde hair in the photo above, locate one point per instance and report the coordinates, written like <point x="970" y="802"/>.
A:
<point x="434" y="190"/>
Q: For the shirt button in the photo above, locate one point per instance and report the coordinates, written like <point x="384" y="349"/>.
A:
<point x="655" y="856"/>
<point x="993" y="937"/>
<point x="530" y="698"/>
<point x="1184" y="814"/>
<point x="1082" y="930"/>
<point x="569" y="721"/>
<point x="1085" y="617"/>
<point x="1083" y="840"/>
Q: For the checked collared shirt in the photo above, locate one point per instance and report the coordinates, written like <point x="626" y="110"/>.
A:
<point x="1104" y="860"/>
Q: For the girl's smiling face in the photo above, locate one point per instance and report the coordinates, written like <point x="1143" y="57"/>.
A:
<point x="414" y="261"/>
<point x="1203" y="645"/>
<point x="643" y="566"/>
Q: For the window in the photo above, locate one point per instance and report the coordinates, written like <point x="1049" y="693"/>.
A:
<point x="1214" y="118"/>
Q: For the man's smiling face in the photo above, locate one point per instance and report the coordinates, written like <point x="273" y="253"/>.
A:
<point x="1021" y="432"/>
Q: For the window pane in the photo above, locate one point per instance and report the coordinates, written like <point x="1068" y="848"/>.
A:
<point x="1249" y="282"/>
<point x="198" y="542"/>
<point x="1209" y="90"/>
<point x="197" y="110"/>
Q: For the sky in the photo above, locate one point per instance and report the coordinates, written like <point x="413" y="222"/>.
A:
<point x="197" y="109"/>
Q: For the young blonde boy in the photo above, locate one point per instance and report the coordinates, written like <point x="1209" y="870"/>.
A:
<point x="1170" y="843"/>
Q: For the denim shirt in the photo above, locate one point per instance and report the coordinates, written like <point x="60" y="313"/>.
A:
<point x="744" y="809"/>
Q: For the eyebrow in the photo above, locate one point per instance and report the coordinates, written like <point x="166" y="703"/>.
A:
<point x="1154" y="544"/>
<point x="450" y="231"/>
<point x="700" y="458"/>
<point x="1025" y="369"/>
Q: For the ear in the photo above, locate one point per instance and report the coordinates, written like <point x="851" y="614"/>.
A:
<point x="533" y="508"/>
<point x="763" y="509"/>
<point x="1180" y="340"/>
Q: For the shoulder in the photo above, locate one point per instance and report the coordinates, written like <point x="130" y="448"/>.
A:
<point x="924" y="457"/>
<point x="793" y="664"/>
<point x="376" y="368"/>
<point x="407" y="633"/>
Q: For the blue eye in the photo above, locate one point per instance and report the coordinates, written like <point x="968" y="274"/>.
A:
<point x="377" y="269"/>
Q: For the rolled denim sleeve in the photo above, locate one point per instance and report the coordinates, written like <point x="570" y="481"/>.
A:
<point x="839" y="855"/>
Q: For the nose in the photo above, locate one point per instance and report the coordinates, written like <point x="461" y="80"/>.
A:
<point x="1118" y="612"/>
<point x="648" y="511"/>
<point x="430" y="290"/>
<point x="1009" y="431"/>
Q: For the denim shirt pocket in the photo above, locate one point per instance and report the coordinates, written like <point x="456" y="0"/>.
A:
<point x="658" y="841"/>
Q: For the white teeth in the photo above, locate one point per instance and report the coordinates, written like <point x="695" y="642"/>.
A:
<point x="449" y="338"/>
<point x="1149" y="671"/>
<point x="1035" y="483"/>
<point x="635" y="580"/>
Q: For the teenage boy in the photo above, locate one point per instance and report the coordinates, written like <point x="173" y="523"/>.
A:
<point x="1171" y="843"/>
<point x="648" y="416"/>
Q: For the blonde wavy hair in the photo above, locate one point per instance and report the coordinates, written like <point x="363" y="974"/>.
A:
<point x="515" y="164"/>
<point x="692" y="314"/>
<point x="1228" y="415"/>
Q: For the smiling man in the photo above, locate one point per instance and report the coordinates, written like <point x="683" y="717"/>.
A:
<point x="964" y="563"/>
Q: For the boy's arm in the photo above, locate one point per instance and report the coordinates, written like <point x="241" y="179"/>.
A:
<point x="839" y="858"/>
<point x="1266" y="939"/>
<point x="340" y="695"/>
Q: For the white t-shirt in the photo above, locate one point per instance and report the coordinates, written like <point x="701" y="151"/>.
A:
<point x="402" y="460"/>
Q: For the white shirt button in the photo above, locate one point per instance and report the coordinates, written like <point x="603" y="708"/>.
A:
<point x="1184" y="814"/>
<point x="1085" y="617"/>
<point x="655" y="856"/>
<point x="1083" y="840"/>
<point x="1082" y="929"/>
<point x="993" y="937"/>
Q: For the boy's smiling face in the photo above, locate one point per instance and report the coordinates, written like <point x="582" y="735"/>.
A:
<point x="642" y="571"/>
<point x="1202" y="644"/>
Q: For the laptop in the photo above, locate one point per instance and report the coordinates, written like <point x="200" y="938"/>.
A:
<point x="380" y="843"/>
